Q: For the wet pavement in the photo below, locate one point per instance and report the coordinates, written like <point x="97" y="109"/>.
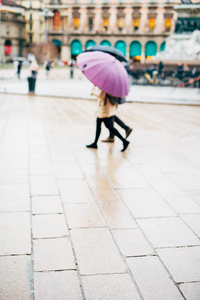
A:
<point x="99" y="224"/>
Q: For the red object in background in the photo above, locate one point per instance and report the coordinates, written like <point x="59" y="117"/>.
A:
<point x="8" y="49"/>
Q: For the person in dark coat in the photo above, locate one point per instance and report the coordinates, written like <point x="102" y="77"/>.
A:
<point x="19" y="66"/>
<point x="48" y="67"/>
<point x="179" y="71"/>
<point x="160" y="69"/>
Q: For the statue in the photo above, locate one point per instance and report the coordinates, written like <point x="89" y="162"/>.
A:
<point x="186" y="1"/>
<point x="183" y="49"/>
<point x="186" y="25"/>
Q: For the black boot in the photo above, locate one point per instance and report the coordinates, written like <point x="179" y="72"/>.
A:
<point x="126" y="143"/>
<point x="93" y="146"/>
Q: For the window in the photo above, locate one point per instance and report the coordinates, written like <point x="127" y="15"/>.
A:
<point x="31" y="17"/>
<point x="56" y="20"/>
<point x="151" y="24"/>
<point x="120" y="24"/>
<point x="31" y="26"/>
<point x="30" y="38"/>
<point x="76" y="23"/>
<point x="167" y="24"/>
<point x="136" y="24"/>
<point x="105" y="24"/>
<point x="90" y="24"/>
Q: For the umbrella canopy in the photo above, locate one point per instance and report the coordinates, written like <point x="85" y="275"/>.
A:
<point x="105" y="71"/>
<point x="108" y="49"/>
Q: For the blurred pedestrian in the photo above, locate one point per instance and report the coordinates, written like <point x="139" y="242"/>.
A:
<point x="48" y="67"/>
<point x="71" y="67"/>
<point x="179" y="71"/>
<point x="34" y="68"/>
<point x="105" y="114"/>
<point x="160" y="70"/>
<point x="19" y="66"/>
<point x="185" y="67"/>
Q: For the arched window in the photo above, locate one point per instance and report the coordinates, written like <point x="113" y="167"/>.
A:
<point x="8" y="47"/>
<point x="162" y="46"/>
<point x="76" y="48"/>
<point x="150" y="49"/>
<point x="120" y="45"/>
<point x="58" y="45"/>
<point x="56" y="20"/>
<point x="105" y="43"/>
<point x="135" y="49"/>
<point x="89" y="43"/>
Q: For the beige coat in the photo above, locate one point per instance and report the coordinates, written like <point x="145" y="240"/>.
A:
<point x="104" y="110"/>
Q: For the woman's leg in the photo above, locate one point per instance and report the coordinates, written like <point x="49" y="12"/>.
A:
<point x="123" y="125"/>
<point x="120" y="123"/>
<point x="109" y="124"/>
<point x="98" y="132"/>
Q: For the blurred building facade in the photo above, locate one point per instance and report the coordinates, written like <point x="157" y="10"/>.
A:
<point x="64" y="28"/>
<point x="138" y="28"/>
<point x="12" y="30"/>
<point x="35" y="21"/>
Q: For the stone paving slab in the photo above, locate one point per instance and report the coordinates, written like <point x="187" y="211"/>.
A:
<point x="15" y="234"/>
<point x="77" y="223"/>
<point x="182" y="263"/>
<point x="190" y="290"/>
<point x="16" y="277"/>
<point x="57" y="285"/>
<point x="152" y="278"/>
<point x="60" y="255"/>
<point x="115" y="286"/>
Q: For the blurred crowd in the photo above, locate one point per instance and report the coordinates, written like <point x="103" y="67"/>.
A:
<point x="180" y="74"/>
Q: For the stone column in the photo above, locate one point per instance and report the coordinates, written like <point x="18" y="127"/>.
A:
<point x="65" y="53"/>
<point x="127" y="50"/>
<point x="143" y="54"/>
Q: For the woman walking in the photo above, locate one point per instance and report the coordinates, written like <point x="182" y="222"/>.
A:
<point x="105" y="114"/>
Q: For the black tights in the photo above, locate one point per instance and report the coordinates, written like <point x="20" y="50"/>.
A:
<point x="120" y="123"/>
<point x="109" y="124"/>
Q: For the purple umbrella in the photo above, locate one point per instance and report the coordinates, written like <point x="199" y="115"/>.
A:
<point x="105" y="71"/>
